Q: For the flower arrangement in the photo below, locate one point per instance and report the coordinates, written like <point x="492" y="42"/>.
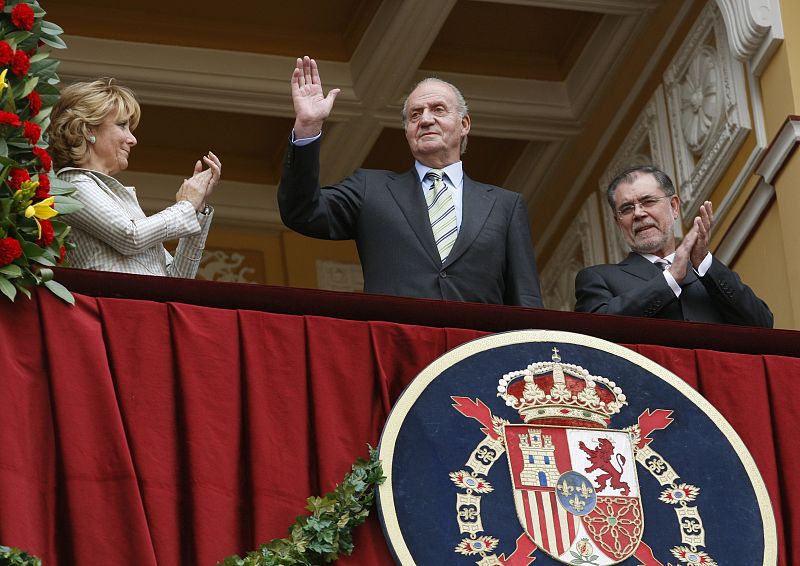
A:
<point x="32" y="238"/>
<point x="327" y="532"/>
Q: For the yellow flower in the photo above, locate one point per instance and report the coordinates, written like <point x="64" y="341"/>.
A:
<point x="3" y="83"/>
<point x="41" y="210"/>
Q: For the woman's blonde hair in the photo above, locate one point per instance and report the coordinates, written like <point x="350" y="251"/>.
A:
<point x="82" y="106"/>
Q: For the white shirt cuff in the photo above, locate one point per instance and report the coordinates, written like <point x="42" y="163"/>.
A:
<point x="704" y="266"/>
<point x="672" y="283"/>
<point x="305" y="141"/>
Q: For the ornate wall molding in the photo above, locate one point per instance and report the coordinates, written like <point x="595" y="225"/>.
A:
<point x="339" y="276"/>
<point x="707" y="104"/>
<point x="754" y="28"/>
<point x="579" y="247"/>
<point x="647" y="143"/>
<point x="781" y="148"/>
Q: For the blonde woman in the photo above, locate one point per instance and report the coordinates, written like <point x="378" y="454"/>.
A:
<point x="91" y="139"/>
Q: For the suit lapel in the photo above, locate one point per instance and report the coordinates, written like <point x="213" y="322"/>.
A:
<point x="638" y="266"/>
<point x="477" y="201"/>
<point x="407" y="193"/>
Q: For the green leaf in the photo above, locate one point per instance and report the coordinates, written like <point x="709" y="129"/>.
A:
<point x="31" y="250"/>
<point x="39" y="56"/>
<point x="60" y="291"/>
<point x="30" y="84"/>
<point x="65" y="204"/>
<point x="51" y="28"/>
<point x="53" y="41"/>
<point x="22" y="289"/>
<point x="60" y="190"/>
<point x="7" y="288"/>
<point x="11" y="270"/>
<point x="45" y="68"/>
<point x="59" y="183"/>
<point x="45" y="275"/>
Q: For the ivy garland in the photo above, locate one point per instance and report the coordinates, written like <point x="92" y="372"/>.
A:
<point x="15" y="557"/>
<point x="315" y="539"/>
<point x="320" y="537"/>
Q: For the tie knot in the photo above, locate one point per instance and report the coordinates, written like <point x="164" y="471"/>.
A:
<point x="662" y="264"/>
<point x="436" y="176"/>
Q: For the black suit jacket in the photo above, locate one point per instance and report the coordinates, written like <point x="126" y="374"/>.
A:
<point x="637" y="287"/>
<point x="492" y="260"/>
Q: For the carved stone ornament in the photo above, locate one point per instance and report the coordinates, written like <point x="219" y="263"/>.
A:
<point x="339" y="276"/>
<point x="707" y="103"/>
<point x="700" y="101"/>
<point x="578" y="248"/>
<point x="754" y="29"/>
<point x="228" y="265"/>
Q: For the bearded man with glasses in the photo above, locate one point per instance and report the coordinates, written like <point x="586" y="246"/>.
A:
<point x="659" y="279"/>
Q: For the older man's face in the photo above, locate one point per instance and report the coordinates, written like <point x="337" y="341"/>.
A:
<point x="648" y="226"/>
<point x="433" y="127"/>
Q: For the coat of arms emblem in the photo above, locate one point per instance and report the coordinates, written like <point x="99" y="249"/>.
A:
<point x="574" y="482"/>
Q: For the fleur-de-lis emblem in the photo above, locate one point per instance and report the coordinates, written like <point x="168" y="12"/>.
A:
<point x="577" y="503"/>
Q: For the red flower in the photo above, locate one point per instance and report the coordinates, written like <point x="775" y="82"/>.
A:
<point x="47" y="233"/>
<point x="16" y="177"/>
<point x="20" y="64"/>
<point x="32" y="131"/>
<point x="22" y="16"/>
<point x="2" y="4"/>
<point x="45" y="160"/>
<point x="10" y="118"/>
<point x="62" y="254"/>
<point x="43" y="190"/>
<point x="9" y="250"/>
<point x="6" y="53"/>
<point x="35" y="102"/>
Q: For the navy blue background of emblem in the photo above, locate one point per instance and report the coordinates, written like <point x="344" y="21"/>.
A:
<point x="434" y="439"/>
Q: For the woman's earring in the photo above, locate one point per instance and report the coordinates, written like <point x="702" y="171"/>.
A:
<point x="92" y="139"/>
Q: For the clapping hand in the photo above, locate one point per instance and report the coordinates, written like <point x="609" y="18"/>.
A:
<point x="702" y="224"/>
<point x="201" y="184"/>
<point x="694" y="247"/>
<point x="311" y="107"/>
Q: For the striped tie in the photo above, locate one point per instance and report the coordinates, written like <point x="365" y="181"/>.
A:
<point x="442" y="213"/>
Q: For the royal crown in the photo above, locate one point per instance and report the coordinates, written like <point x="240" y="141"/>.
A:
<point x="561" y="394"/>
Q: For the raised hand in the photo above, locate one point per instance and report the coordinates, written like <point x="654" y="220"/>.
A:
<point x="703" y="224"/>
<point x="215" y="167"/>
<point x="311" y="106"/>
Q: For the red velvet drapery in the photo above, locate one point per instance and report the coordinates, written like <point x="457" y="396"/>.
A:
<point x="142" y="432"/>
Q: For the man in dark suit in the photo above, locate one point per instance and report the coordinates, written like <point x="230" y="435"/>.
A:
<point x="657" y="279"/>
<point x="430" y="232"/>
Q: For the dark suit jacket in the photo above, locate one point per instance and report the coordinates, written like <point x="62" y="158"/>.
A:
<point x="636" y="287"/>
<point x="491" y="262"/>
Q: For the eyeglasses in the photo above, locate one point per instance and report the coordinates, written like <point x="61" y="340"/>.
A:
<point x="646" y="203"/>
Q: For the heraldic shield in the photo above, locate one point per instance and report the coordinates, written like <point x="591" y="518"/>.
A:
<point x="568" y="482"/>
<point x="551" y="448"/>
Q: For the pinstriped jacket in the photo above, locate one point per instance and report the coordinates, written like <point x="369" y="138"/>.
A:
<point x="112" y="232"/>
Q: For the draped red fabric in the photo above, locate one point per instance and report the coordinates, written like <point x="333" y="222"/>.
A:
<point x="143" y="433"/>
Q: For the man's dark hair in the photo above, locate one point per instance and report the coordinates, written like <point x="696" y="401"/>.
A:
<point x="630" y="174"/>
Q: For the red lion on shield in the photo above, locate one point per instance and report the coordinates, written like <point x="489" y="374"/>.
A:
<point x="600" y="458"/>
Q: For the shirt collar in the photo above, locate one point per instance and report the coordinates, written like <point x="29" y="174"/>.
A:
<point x="454" y="172"/>
<point x="654" y="258"/>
